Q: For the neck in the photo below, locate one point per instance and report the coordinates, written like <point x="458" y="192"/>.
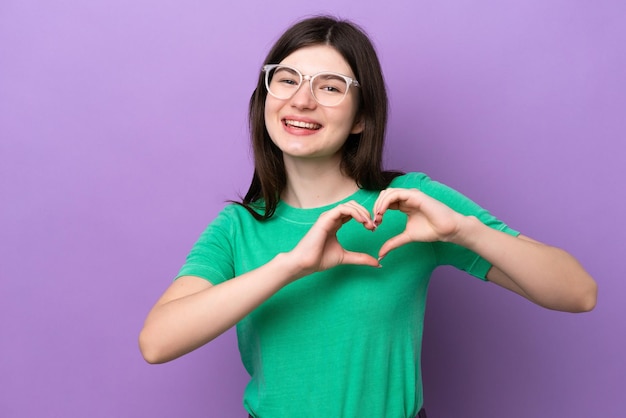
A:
<point x="313" y="184"/>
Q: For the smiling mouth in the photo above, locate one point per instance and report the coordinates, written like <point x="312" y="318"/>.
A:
<point x="302" y="125"/>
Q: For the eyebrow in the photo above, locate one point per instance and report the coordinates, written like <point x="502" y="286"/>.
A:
<point x="330" y="76"/>
<point x="287" y="69"/>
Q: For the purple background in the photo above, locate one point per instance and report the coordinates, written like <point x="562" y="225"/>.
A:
<point x="123" y="131"/>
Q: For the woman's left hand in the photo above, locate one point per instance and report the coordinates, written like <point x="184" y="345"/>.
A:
<point x="428" y="219"/>
<point x="546" y="275"/>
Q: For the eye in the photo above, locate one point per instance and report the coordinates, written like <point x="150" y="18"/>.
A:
<point x="286" y="76"/>
<point x="331" y="89"/>
<point x="330" y="84"/>
<point x="290" y="81"/>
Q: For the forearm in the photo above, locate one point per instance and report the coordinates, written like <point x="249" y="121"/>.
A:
<point x="178" y="326"/>
<point x="192" y="313"/>
<point x="546" y="275"/>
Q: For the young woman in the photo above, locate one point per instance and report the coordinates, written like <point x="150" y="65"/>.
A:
<point x="324" y="329"/>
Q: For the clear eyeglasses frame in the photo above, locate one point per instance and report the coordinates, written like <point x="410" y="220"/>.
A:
<point x="327" y="88"/>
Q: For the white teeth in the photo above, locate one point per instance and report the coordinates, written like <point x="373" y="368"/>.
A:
<point x="300" y="124"/>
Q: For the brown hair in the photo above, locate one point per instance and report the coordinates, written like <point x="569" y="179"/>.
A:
<point x="362" y="153"/>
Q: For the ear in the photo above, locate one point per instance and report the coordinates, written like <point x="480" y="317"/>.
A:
<point x="358" y="126"/>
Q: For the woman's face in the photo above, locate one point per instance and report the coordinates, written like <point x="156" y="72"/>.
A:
<point x="302" y="128"/>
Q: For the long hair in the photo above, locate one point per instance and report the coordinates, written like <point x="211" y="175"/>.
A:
<point x="362" y="153"/>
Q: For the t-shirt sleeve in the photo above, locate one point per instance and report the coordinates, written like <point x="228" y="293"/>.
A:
<point x="449" y="253"/>
<point x="211" y="257"/>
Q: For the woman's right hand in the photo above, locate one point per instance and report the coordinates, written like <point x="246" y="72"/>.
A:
<point x="320" y="250"/>
<point x="192" y="312"/>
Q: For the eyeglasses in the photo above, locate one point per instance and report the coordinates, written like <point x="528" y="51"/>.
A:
<point x="327" y="88"/>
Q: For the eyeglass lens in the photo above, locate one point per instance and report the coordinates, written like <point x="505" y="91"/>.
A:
<point x="328" y="89"/>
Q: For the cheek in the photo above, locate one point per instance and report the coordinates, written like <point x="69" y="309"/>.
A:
<point x="272" y="105"/>
<point x="348" y="116"/>
<point x="271" y="123"/>
<point x="345" y="121"/>
<point x="271" y="108"/>
<point x="265" y="109"/>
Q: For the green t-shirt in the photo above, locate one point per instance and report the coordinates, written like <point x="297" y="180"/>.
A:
<point x="345" y="342"/>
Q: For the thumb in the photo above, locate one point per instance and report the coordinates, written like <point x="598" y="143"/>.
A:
<point x="351" y="257"/>
<point x="393" y="243"/>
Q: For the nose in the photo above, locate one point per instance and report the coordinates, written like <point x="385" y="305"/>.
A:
<point x="303" y="97"/>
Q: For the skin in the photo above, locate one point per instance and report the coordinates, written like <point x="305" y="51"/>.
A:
<point x="314" y="156"/>
<point x="192" y="311"/>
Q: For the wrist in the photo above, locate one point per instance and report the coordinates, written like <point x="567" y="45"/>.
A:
<point x="289" y="267"/>
<point x="468" y="233"/>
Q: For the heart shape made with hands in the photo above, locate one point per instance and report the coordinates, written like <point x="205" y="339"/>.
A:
<point x="428" y="220"/>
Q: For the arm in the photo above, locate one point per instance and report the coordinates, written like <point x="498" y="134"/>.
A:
<point x="545" y="275"/>
<point x="193" y="312"/>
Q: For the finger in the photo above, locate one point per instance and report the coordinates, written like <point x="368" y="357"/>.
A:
<point x="351" y="257"/>
<point x="393" y="243"/>
<point x="387" y="199"/>
<point x="334" y="218"/>
<point x="364" y="217"/>
<point x="376" y="207"/>
<point x="376" y="210"/>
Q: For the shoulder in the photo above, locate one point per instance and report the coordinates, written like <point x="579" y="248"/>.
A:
<point x="234" y="210"/>
<point x="230" y="218"/>
<point x="411" y="180"/>
<point x="433" y="188"/>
